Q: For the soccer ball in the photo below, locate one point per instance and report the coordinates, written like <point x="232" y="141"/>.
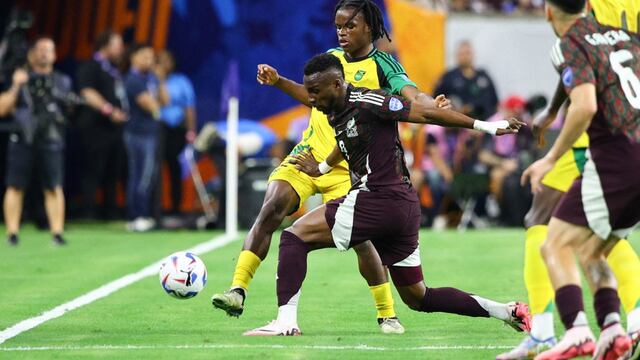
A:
<point x="183" y="275"/>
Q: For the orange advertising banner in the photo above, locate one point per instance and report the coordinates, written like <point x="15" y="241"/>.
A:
<point x="418" y="36"/>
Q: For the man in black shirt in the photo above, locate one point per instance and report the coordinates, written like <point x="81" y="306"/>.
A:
<point x="37" y="98"/>
<point x="100" y="83"/>
<point x="469" y="88"/>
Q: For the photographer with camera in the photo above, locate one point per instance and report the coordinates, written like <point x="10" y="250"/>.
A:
<point x="38" y="98"/>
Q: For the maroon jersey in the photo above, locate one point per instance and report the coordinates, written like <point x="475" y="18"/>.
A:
<point x="366" y="132"/>
<point x="609" y="58"/>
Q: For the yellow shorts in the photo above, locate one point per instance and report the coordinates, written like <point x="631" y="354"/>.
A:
<point x="566" y="170"/>
<point x="333" y="185"/>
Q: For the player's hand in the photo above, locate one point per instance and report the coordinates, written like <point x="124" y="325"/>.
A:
<point x="442" y="102"/>
<point x="306" y="163"/>
<point x="118" y="116"/>
<point x="267" y="75"/>
<point x="20" y="76"/>
<point x="535" y="172"/>
<point x="540" y="124"/>
<point x="512" y="128"/>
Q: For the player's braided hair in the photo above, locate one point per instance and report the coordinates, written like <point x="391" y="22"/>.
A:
<point x="321" y="63"/>
<point x="372" y="16"/>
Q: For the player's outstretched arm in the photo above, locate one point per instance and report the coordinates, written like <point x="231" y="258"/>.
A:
<point x="414" y="95"/>
<point x="306" y="163"/>
<point x="443" y="117"/>
<point x="268" y="75"/>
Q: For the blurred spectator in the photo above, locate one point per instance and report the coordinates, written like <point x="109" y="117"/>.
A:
<point x="501" y="153"/>
<point x="503" y="6"/>
<point x="146" y="93"/>
<point x="38" y="99"/>
<point x="100" y="124"/>
<point x="448" y="151"/>
<point x="470" y="90"/>
<point x="178" y="122"/>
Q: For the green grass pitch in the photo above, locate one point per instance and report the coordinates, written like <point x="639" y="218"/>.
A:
<point x="337" y="315"/>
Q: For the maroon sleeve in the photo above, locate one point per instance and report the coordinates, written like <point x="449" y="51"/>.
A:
<point x="385" y="106"/>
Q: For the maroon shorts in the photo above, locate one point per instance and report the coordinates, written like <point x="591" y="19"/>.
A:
<point x="390" y="222"/>
<point x="606" y="198"/>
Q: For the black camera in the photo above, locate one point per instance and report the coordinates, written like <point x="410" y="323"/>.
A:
<point x="14" y="45"/>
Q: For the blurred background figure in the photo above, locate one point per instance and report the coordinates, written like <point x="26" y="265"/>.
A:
<point x="38" y="98"/>
<point x="178" y="122"/>
<point x="100" y="83"/>
<point x="470" y="90"/>
<point x="146" y="93"/>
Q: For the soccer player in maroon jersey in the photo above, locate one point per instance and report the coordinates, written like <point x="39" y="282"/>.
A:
<point x="599" y="68"/>
<point x="381" y="205"/>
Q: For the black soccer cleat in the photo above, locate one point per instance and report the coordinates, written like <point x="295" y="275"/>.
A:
<point x="58" y="240"/>
<point x="12" y="239"/>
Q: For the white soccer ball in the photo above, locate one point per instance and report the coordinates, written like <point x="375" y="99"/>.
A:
<point x="183" y="275"/>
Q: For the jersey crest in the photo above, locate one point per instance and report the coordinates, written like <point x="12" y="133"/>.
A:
<point x="352" y="130"/>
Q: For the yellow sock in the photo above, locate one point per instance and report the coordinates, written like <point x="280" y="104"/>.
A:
<point x="247" y="264"/>
<point x="625" y="264"/>
<point x="383" y="299"/>
<point x="536" y="277"/>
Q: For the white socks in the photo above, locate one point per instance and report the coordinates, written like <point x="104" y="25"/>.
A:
<point x="633" y="320"/>
<point x="495" y="309"/>
<point x="542" y="326"/>
<point x="288" y="313"/>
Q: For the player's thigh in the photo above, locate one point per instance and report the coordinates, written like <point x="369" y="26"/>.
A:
<point x="313" y="229"/>
<point x="565" y="234"/>
<point x="301" y="184"/>
<point x="333" y="185"/>
<point x="542" y="207"/>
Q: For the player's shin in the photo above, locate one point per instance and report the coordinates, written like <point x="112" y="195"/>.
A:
<point x="383" y="299"/>
<point x="292" y="269"/>
<point x="625" y="264"/>
<point x="246" y="267"/>
<point x="570" y="306"/>
<point x="539" y="288"/>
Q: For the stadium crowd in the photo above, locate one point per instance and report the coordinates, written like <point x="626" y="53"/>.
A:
<point x="486" y="6"/>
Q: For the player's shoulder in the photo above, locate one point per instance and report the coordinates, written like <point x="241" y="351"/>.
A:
<point x="360" y="92"/>
<point x="386" y="60"/>
<point x="337" y="51"/>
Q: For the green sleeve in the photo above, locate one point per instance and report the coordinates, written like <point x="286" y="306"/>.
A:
<point x="394" y="75"/>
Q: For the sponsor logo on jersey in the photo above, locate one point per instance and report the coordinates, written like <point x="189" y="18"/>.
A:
<point x="359" y="75"/>
<point x="352" y="130"/>
<point x="567" y="76"/>
<point x="395" y="104"/>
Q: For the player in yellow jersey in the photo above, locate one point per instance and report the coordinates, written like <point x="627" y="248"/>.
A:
<point x="622" y="259"/>
<point x="358" y="24"/>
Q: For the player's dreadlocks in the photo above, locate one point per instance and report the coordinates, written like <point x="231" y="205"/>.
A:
<point x="372" y="16"/>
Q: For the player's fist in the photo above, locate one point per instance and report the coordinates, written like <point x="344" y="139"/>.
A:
<point x="20" y="76"/>
<point x="442" y="102"/>
<point x="267" y="75"/>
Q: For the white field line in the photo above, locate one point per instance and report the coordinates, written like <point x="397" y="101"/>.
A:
<point x="257" y="346"/>
<point x="106" y="290"/>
